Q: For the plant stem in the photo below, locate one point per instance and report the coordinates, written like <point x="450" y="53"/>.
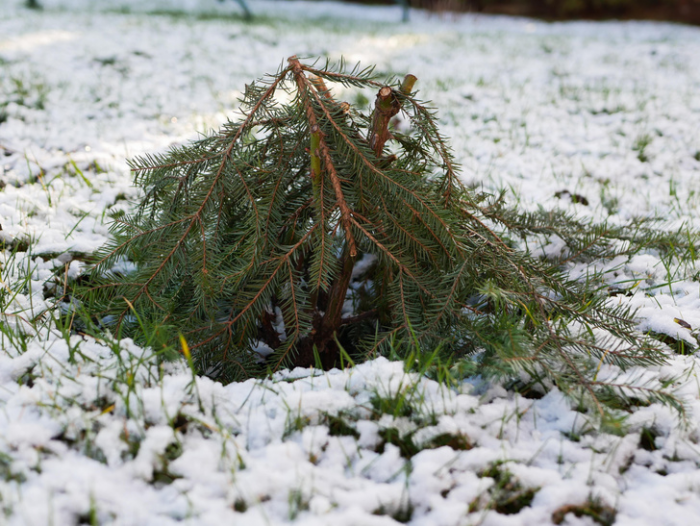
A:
<point x="305" y="84"/>
<point x="338" y="292"/>
<point x="409" y="81"/>
<point x="385" y="107"/>
<point x="315" y="159"/>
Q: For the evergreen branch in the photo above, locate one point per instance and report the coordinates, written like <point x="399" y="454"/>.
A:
<point x="305" y="85"/>
<point x="378" y="343"/>
<point x="343" y="77"/>
<point x="385" y="107"/>
<point x="372" y="168"/>
<point x="251" y="199"/>
<point x="417" y="215"/>
<point x="594" y="241"/>
<point x="654" y="394"/>
<point x="322" y="213"/>
<point x="480" y="223"/>
<point x="379" y="245"/>
<point x="197" y="215"/>
<point x="176" y="164"/>
<point x="273" y="198"/>
<point x="126" y="243"/>
<point x="582" y="380"/>
<point x="401" y="266"/>
<point x="295" y="308"/>
<point x="438" y="143"/>
<point x="426" y="250"/>
<point x="359" y="317"/>
<point x="283" y="259"/>
<point x="345" y="212"/>
<point x="446" y="304"/>
<point x="406" y="319"/>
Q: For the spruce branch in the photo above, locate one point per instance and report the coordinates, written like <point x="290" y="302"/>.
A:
<point x="321" y="149"/>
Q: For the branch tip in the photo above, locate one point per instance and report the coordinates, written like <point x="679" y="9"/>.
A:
<point x="409" y="81"/>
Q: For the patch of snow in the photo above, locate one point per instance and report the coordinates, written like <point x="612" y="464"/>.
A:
<point x="608" y="111"/>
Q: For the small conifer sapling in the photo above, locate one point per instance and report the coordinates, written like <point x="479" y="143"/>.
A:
<point x="306" y="229"/>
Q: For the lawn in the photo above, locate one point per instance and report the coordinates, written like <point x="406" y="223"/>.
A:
<point x="601" y="120"/>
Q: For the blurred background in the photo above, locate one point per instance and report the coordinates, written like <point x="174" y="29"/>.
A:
<point x="687" y="11"/>
<point x="684" y="11"/>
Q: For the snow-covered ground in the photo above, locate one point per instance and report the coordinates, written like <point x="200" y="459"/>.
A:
<point x="97" y="432"/>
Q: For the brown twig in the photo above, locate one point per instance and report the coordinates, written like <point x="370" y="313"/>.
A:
<point x="386" y="106"/>
<point x="304" y="83"/>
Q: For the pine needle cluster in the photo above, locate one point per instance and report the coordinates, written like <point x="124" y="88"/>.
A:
<point x="306" y="231"/>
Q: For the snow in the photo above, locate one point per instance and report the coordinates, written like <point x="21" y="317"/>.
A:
<point x="102" y="431"/>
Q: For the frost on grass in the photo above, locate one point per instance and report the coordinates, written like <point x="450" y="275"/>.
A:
<point x="106" y="432"/>
<point x="146" y="441"/>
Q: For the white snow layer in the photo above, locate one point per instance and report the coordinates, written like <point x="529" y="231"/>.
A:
<point x="96" y="432"/>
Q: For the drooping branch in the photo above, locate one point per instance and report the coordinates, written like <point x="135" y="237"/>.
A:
<point x="321" y="86"/>
<point x="397" y="186"/>
<point x="282" y="260"/>
<point x="304" y="83"/>
<point x="198" y="214"/>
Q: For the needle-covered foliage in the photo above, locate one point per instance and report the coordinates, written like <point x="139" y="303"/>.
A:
<point x="306" y="229"/>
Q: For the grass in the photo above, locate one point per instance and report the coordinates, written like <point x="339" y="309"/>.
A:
<point x="593" y="508"/>
<point x="106" y="380"/>
<point x="28" y="91"/>
<point x="640" y="145"/>
<point x="506" y="495"/>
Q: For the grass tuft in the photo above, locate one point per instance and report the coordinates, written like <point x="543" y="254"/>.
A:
<point x="506" y="496"/>
<point x="593" y="508"/>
